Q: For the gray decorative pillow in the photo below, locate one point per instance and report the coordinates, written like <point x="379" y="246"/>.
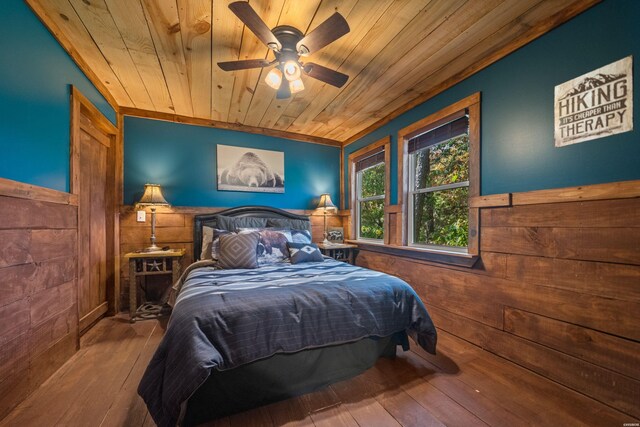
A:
<point x="300" y="236"/>
<point x="292" y="224"/>
<point x="233" y="223"/>
<point x="238" y="250"/>
<point x="207" y="241"/>
<point x="215" y="244"/>
<point x="272" y="247"/>
<point x="304" y="252"/>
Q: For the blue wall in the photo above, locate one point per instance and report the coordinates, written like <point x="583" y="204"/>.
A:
<point x="35" y="78"/>
<point x="518" y="152"/>
<point x="182" y="158"/>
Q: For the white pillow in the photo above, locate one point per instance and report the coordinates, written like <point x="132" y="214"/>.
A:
<point x="207" y="240"/>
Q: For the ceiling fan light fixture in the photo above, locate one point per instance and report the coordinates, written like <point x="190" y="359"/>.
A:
<point x="288" y="45"/>
<point x="291" y="70"/>
<point x="274" y="78"/>
<point x="296" y="86"/>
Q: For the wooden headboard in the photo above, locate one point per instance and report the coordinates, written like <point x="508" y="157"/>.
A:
<point x="209" y="220"/>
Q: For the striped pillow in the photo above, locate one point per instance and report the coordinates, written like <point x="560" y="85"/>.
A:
<point x="238" y="250"/>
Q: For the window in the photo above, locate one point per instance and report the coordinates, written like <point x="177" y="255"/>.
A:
<point x="438" y="165"/>
<point x="438" y="190"/>
<point x="369" y="177"/>
<point x="436" y="218"/>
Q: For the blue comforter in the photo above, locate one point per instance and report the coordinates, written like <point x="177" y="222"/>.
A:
<point x="226" y="318"/>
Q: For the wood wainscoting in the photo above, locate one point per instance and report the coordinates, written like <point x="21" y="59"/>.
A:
<point x="38" y="292"/>
<point x="174" y="228"/>
<point x="557" y="289"/>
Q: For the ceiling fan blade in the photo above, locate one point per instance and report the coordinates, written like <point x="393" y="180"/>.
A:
<point x="243" y="64"/>
<point x="324" y="74"/>
<point x="329" y="31"/>
<point x="284" y="91"/>
<point x="245" y="12"/>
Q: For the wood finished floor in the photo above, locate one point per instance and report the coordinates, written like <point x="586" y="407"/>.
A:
<point x="462" y="386"/>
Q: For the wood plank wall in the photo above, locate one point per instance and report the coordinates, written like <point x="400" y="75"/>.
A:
<point x="174" y="228"/>
<point x="38" y="293"/>
<point x="557" y="290"/>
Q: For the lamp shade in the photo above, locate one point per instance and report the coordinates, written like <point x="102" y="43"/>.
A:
<point x="274" y="78"/>
<point x="326" y="203"/>
<point x="152" y="196"/>
<point x="291" y="70"/>
<point x="296" y="86"/>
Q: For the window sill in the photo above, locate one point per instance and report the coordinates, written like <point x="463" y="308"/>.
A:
<point x="450" y="258"/>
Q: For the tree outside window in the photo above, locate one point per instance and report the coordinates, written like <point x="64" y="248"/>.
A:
<point x="370" y="199"/>
<point x="439" y="193"/>
<point x="368" y="190"/>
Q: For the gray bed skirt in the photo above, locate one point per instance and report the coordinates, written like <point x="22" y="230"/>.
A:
<point x="285" y="375"/>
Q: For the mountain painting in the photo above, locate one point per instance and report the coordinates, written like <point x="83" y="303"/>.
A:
<point x="594" y="105"/>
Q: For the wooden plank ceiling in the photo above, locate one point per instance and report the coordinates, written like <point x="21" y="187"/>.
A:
<point x="160" y="55"/>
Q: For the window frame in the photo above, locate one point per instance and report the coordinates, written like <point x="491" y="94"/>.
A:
<point x="354" y="206"/>
<point x="447" y="114"/>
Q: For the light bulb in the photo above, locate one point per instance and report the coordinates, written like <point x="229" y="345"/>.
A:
<point x="274" y="78"/>
<point x="296" y="86"/>
<point x="291" y="70"/>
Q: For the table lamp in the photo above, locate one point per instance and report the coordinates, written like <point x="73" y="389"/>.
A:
<point x="326" y="204"/>
<point x="152" y="197"/>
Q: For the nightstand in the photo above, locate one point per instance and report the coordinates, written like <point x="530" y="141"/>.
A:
<point x="143" y="265"/>
<point x="340" y="252"/>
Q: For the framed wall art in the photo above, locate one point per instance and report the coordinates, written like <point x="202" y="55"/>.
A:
<point x="250" y="169"/>
<point x="335" y="234"/>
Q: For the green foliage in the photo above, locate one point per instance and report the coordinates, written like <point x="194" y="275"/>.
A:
<point x="444" y="217"/>
<point x="372" y="212"/>
<point x="372" y="219"/>
<point x="441" y="217"/>
<point x="372" y="183"/>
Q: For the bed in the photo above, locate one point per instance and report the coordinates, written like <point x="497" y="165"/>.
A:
<point x="239" y="338"/>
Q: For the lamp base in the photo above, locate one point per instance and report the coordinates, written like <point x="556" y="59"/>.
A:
<point x="327" y="242"/>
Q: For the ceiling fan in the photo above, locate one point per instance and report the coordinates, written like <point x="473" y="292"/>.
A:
<point x="288" y="45"/>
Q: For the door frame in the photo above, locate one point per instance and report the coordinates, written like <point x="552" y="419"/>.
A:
<point x="80" y="105"/>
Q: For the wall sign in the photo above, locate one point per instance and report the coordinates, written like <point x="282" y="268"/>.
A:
<point x="595" y="105"/>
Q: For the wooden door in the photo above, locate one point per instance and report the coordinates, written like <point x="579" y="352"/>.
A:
<point x="92" y="176"/>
